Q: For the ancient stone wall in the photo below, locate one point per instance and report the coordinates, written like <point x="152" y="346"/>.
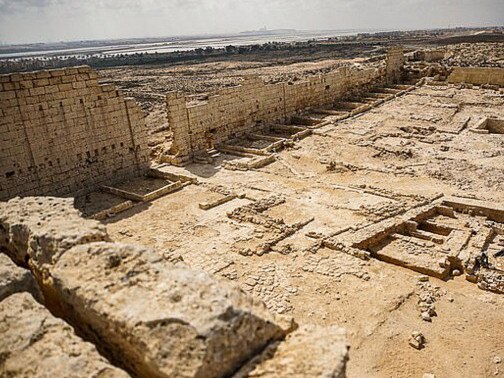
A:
<point x="232" y="112"/>
<point x="61" y="132"/>
<point x="434" y="55"/>
<point x="394" y="64"/>
<point x="477" y="75"/>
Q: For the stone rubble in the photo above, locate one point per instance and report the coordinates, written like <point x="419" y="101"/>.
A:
<point x="417" y="340"/>
<point x="428" y="295"/>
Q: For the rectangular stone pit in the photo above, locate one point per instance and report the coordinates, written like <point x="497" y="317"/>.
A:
<point x="448" y="237"/>
<point x="489" y="125"/>
<point x="143" y="189"/>
<point x="286" y="131"/>
<point x="100" y="205"/>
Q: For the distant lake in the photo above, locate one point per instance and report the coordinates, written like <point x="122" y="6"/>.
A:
<point x="103" y="49"/>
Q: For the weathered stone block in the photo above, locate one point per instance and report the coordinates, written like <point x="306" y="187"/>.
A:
<point x="14" y="279"/>
<point x="36" y="344"/>
<point x="157" y="318"/>
<point x="40" y="229"/>
<point x="311" y="351"/>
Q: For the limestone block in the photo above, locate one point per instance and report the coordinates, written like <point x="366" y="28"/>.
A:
<point x="14" y="279"/>
<point x="158" y="318"/>
<point x="40" y="229"/>
<point x="311" y="351"/>
<point x="36" y="344"/>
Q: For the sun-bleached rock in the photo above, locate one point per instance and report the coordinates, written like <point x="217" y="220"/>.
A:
<point x="34" y="343"/>
<point x="40" y="229"/>
<point x="310" y="351"/>
<point x="14" y="279"/>
<point x="158" y="318"/>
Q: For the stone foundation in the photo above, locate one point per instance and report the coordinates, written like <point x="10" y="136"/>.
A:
<point x="477" y="76"/>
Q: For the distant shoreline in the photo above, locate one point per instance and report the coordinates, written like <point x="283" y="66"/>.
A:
<point x="167" y="44"/>
<point x="143" y="52"/>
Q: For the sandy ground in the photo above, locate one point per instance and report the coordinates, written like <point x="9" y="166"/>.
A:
<point x="403" y="152"/>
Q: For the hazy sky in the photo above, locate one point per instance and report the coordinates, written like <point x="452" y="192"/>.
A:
<point x="63" y="20"/>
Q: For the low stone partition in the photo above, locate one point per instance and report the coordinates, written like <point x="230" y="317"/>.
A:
<point x="476" y="208"/>
<point x="232" y="112"/>
<point x="147" y="312"/>
<point x="432" y="55"/>
<point x="61" y="132"/>
<point x="477" y="75"/>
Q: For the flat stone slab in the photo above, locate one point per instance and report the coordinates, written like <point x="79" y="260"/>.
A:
<point x="34" y="343"/>
<point x="157" y="318"/>
<point x="40" y="229"/>
<point x="14" y="279"/>
<point x="311" y="351"/>
<point x="400" y="253"/>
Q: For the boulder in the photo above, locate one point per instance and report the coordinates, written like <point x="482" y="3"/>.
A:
<point x="40" y="229"/>
<point x="14" y="279"/>
<point x="157" y="318"/>
<point x="310" y="351"/>
<point x="36" y="344"/>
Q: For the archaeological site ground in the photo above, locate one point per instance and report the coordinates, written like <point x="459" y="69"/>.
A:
<point x="275" y="214"/>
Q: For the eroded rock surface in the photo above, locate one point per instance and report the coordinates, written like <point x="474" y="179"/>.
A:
<point x="157" y="318"/>
<point x="40" y="229"/>
<point x="311" y="351"/>
<point x="34" y="343"/>
<point x="14" y="279"/>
